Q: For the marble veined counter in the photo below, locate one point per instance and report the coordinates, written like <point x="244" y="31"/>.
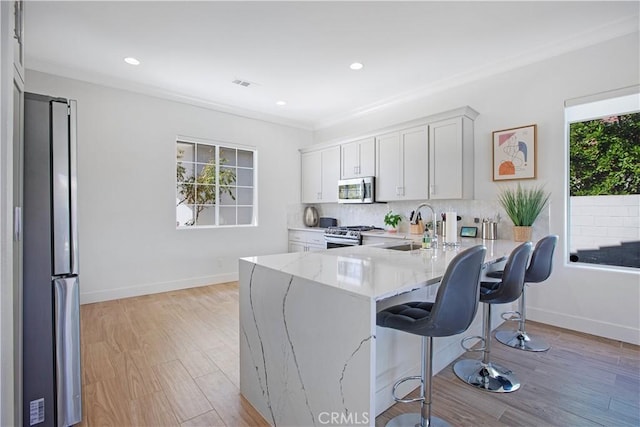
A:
<point x="373" y="271"/>
<point x="310" y="351"/>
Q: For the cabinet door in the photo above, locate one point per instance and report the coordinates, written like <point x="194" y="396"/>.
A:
<point x="296" y="247"/>
<point x="445" y="159"/>
<point x="367" y="157"/>
<point x="388" y="167"/>
<point x="311" y="167"/>
<point x="415" y="152"/>
<point x="350" y="160"/>
<point x="330" y="175"/>
<point x="358" y="158"/>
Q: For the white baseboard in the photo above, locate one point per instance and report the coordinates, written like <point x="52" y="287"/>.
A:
<point x="154" y="288"/>
<point x="583" y="324"/>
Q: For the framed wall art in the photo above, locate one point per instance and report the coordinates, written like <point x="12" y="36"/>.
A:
<point x="514" y="153"/>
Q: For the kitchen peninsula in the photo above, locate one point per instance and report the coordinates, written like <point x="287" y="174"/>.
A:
<point x="310" y="352"/>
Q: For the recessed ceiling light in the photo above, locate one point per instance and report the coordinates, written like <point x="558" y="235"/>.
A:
<point x="131" y="61"/>
<point x="281" y="103"/>
<point x="356" y="66"/>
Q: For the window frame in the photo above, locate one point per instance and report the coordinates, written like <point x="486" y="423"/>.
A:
<point x="617" y="102"/>
<point x="218" y="145"/>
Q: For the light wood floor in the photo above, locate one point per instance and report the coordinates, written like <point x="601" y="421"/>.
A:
<point x="172" y="359"/>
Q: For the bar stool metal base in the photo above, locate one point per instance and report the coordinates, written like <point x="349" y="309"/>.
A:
<point x="522" y="341"/>
<point x="413" y="419"/>
<point x="488" y="377"/>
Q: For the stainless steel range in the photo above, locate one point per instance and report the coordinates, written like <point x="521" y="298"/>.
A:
<point x="338" y="237"/>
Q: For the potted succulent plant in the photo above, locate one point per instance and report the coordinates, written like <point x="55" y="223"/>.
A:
<point x="392" y="220"/>
<point x="523" y="205"/>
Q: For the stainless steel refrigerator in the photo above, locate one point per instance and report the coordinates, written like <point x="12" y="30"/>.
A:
<point x="51" y="376"/>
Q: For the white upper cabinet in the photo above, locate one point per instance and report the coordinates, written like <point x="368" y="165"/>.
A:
<point x="415" y="163"/>
<point x="388" y="162"/>
<point x="320" y="175"/>
<point x="357" y="159"/>
<point x="402" y="164"/>
<point x="427" y="158"/>
<point x="311" y="167"/>
<point x="330" y="174"/>
<point x="451" y="159"/>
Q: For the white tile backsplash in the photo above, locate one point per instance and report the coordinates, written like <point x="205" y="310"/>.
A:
<point x="373" y="214"/>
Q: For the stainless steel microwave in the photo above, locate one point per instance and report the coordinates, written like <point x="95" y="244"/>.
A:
<point x="356" y="190"/>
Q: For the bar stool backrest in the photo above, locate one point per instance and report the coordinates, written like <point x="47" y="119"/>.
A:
<point x="541" y="260"/>
<point x="510" y="288"/>
<point x="458" y="295"/>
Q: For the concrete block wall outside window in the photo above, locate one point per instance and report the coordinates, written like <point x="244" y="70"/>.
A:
<point x="603" y="221"/>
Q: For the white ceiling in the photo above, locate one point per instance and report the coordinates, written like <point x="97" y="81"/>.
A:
<point x="300" y="52"/>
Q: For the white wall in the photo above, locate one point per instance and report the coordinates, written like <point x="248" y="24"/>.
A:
<point x="128" y="240"/>
<point x="590" y="299"/>
<point x="6" y="202"/>
<point x="603" y="221"/>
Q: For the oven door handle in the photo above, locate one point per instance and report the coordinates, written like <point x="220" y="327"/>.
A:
<point x="338" y="240"/>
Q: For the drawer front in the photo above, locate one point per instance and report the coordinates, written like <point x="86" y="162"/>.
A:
<point x="297" y="236"/>
<point x="316" y="239"/>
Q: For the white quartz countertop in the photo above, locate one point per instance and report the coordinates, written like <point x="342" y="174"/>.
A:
<point x="375" y="272"/>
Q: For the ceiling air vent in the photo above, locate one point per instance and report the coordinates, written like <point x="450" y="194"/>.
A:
<point x="241" y="82"/>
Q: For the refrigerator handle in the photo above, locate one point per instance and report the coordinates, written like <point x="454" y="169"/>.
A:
<point x="17" y="223"/>
<point x="73" y="178"/>
<point x="60" y="188"/>
<point x="67" y="336"/>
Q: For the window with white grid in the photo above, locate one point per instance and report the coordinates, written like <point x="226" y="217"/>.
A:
<point x="215" y="184"/>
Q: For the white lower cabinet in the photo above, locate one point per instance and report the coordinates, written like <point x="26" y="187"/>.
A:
<point x="306" y="241"/>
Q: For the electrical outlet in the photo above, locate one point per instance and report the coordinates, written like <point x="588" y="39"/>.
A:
<point x="476" y="220"/>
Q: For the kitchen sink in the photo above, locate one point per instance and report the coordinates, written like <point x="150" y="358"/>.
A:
<point x="405" y="247"/>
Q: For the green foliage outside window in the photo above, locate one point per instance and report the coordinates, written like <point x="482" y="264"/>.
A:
<point x="200" y="190"/>
<point x="605" y="156"/>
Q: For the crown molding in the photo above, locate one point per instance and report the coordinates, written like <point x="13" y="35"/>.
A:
<point x="156" y="92"/>
<point x="465" y="111"/>
<point x="578" y="41"/>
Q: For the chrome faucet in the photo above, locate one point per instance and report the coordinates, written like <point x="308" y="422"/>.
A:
<point x="434" y="237"/>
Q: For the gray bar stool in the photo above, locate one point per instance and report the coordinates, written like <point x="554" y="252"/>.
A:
<point x="538" y="271"/>
<point x="452" y="312"/>
<point x="484" y="374"/>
